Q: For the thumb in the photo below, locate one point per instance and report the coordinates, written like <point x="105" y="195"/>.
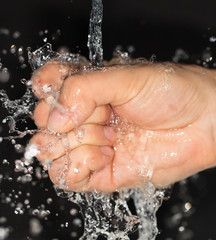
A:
<point x="82" y="93"/>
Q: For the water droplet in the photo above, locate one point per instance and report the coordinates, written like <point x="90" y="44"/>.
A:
<point x="20" y="51"/>
<point x="73" y="212"/>
<point x="152" y="58"/>
<point x="16" y="34"/>
<point x="21" y="59"/>
<point x="18" y="211"/>
<point x="4" y="31"/>
<point x="212" y="39"/>
<point x="4" y="75"/>
<point x="77" y="222"/>
<point x="26" y="202"/>
<point x="49" y="200"/>
<point x="35" y="212"/>
<point x="35" y="227"/>
<point x="5" y="161"/>
<point x="4" y="232"/>
<point x="76" y="170"/>
<point x="13" y="49"/>
<point x="74" y="234"/>
<point x="4" y="51"/>
<point x="3" y="220"/>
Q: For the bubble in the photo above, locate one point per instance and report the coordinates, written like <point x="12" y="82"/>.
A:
<point x="4" y="75"/>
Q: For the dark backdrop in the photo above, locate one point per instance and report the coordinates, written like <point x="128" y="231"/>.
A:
<point x="148" y="27"/>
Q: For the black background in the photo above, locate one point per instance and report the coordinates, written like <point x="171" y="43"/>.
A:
<point x="151" y="27"/>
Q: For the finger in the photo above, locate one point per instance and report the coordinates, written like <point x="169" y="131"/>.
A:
<point x="81" y="94"/>
<point x="48" y="79"/>
<point x="52" y="146"/>
<point x="41" y="114"/>
<point x="101" y="115"/>
<point x="74" y="171"/>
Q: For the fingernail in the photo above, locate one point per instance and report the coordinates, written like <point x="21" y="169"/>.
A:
<point x="109" y="133"/>
<point x="108" y="151"/>
<point x="57" y="119"/>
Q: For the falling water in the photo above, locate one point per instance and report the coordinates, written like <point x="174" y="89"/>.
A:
<point x="95" y="34"/>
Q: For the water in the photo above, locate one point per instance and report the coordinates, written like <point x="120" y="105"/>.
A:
<point x="95" y="34"/>
<point x="107" y="214"/>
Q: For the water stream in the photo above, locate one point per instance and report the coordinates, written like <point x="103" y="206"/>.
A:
<point x="95" y="34"/>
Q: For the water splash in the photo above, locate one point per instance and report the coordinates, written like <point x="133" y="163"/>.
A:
<point x="95" y="34"/>
<point x="108" y="214"/>
<point x="19" y="110"/>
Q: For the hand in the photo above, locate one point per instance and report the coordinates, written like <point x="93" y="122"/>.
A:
<point x="118" y="127"/>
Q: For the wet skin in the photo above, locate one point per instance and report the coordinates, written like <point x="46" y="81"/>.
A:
<point x="166" y="130"/>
